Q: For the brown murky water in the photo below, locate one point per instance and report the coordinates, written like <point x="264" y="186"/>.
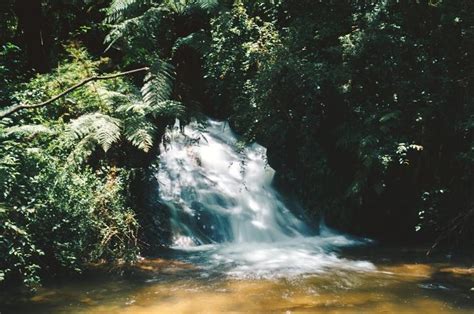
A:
<point x="403" y="281"/>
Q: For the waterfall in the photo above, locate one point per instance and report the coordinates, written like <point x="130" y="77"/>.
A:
<point x="221" y="200"/>
<point x="220" y="192"/>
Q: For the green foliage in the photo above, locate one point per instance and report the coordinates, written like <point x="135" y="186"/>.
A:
<point x="134" y="20"/>
<point x="17" y="248"/>
<point x="120" y="9"/>
<point x="60" y="214"/>
<point x="58" y="219"/>
<point x="116" y="113"/>
<point x="157" y="85"/>
<point x="64" y="200"/>
<point x="241" y="46"/>
<point x="12" y="70"/>
<point x="91" y="130"/>
<point x="150" y="32"/>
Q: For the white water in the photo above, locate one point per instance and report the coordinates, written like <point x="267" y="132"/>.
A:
<point x="224" y="208"/>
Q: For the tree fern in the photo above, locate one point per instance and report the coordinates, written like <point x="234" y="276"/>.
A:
<point x="139" y="117"/>
<point x="140" y="132"/>
<point x="167" y="108"/>
<point x="112" y="99"/>
<point x="132" y="107"/>
<point x="119" y="30"/>
<point x="96" y="128"/>
<point x="25" y="130"/>
<point x="82" y="150"/>
<point x="158" y="83"/>
<point x="120" y="10"/>
<point x="128" y="14"/>
<point x="152" y="109"/>
<point x="206" y="4"/>
<point x="184" y="6"/>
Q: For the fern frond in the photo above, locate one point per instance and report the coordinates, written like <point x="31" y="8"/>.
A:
<point x="120" y="10"/>
<point x="206" y="4"/>
<point x="158" y="83"/>
<point x="176" y="6"/>
<point x="133" y="107"/>
<point x="139" y="24"/>
<point x="26" y="130"/>
<point x="119" y="30"/>
<point x="82" y="149"/>
<point x="168" y="109"/>
<point x="112" y="99"/>
<point x="103" y="129"/>
<point x="184" y="6"/>
<point x="140" y="132"/>
<point x="111" y="95"/>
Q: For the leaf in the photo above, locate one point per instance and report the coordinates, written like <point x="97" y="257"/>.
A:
<point x="158" y="83"/>
<point x="119" y="10"/>
<point x="168" y="108"/>
<point x="27" y="130"/>
<point x="103" y="129"/>
<point x="140" y="132"/>
<point x="13" y="227"/>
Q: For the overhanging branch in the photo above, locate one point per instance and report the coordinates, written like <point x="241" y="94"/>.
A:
<point x="5" y="113"/>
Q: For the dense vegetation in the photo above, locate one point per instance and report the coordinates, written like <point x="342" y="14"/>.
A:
<point x="366" y="109"/>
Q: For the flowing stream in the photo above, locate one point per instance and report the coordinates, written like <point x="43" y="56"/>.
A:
<point x="238" y="247"/>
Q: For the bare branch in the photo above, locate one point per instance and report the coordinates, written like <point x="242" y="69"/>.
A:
<point x="5" y="113"/>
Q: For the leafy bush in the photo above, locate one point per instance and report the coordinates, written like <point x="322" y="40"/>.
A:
<point x="59" y="213"/>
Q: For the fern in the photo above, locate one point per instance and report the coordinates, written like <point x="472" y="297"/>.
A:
<point x="119" y="30"/>
<point x="158" y="83"/>
<point x="133" y="25"/>
<point x="138" y="120"/>
<point x="111" y="97"/>
<point x="138" y="116"/>
<point x="133" y="107"/>
<point x="26" y="130"/>
<point x="96" y="128"/>
<point x="140" y="132"/>
<point x="132" y="16"/>
<point x="119" y="10"/>
<point x="138" y="129"/>
<point x="185" y="6"/>
<point x="207" y="4"/>
<point x="82" y="149"/>
<point x="167" y="108"/>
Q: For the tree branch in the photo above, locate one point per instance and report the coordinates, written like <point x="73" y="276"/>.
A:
<point x="5" y="113"/>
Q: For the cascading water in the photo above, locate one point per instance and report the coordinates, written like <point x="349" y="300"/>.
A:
<point x="218" y="193"/>
<point x="222" y="205"/>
